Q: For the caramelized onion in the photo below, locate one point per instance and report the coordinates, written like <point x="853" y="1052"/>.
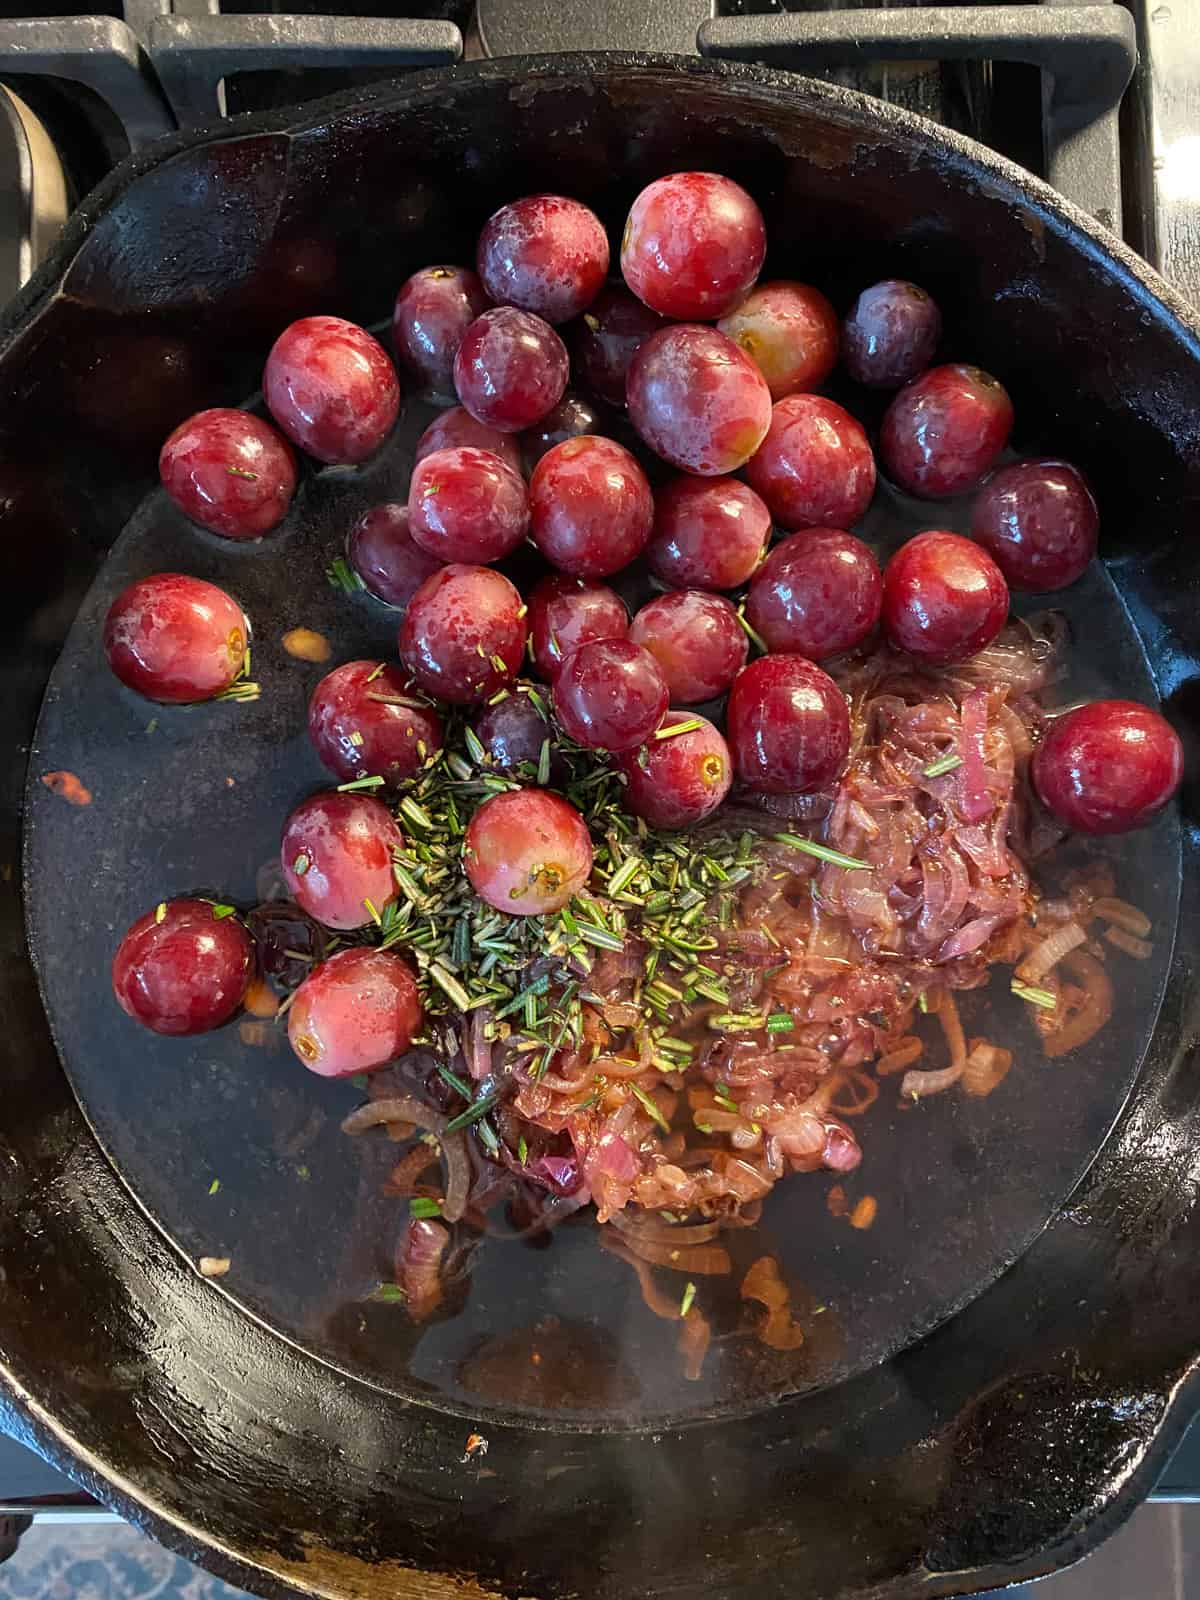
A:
<point x="1094" y="1012"/>
<point x="1123" y="914"/>
<point x="407" y="1108"/>
<point x="1044" y="957"/>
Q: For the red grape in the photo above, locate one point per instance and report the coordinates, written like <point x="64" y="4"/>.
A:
<point x="693" y="245"/>
<point x="591" y="507"/>
<point x="527" y="852"/>
<point x="467" y="505"/>
<point x="570" y="417"/>
<point x="434" y="308"/>
<point x="815" y="468"/>
<point x="457" y="429"/>
<point x="605" y="338"/>
<point x="818" y="593"/>
<point x="513" y="732"/>
<point x="567" y="612"/>
<point x="183" y="968"/>
<point x="331" y="388"/>
<point x="1108" y="767"/>
<point x="788" y="726"/>
<point x="890" y="334"/>
<point x="944" y="598"/>
<point x="679" y="780"/>
<point x="544" y="253"/>
<point x="363" y="719"/>
<point x="709" y="533"/>
<point x="1038" y="522"/>
<point x="511" y="368"/>
<point x="944" y="430"/>
<point x="790" y="331"/>
<point x="463" y="634"/>
<point x="337" y="856"/>
<point x="230" y="472"/>
<point x="382" y="552"/>
<point x="698" y="400"/>
<point x="696" y="639"/>
<point x="355" y="1012"/>
<point x="610" y="695"/>
<point x="176" y="639"/>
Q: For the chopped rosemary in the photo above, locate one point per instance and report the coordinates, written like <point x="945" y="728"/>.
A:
<point x="340" y="575"/>
<point x="822" y="852"/>
<point x="944" y="764"/>
<point x="160" y="911"/>
<point x="214" y="1186"/>
<point x="478" y="1108"/>
<point x="378" y="672"/>
<point x="689" y="726"/>
<point x="650" y="1106"/>
<point x="689" y="1295"/>
<point x="373" y="781"/>
<point x="220" y="912"/>
<point x="241" y="690"/>
<point x="474" y="748"/>
<point x="459" y="1085"/>
<point x="756" y="639"/>
<point x="1035" y="997"/>
<point x="522" y="1150"/>
<point x="241" y="472"/>
<point x="780" y="1022"/>
<point x="543" y="766"/>
<point x="424" y="1206"/>
<point x="388" y="1293"/>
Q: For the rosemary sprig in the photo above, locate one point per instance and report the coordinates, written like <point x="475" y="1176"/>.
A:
<point x="944" y="764"/>
<point x="822" y="852"/>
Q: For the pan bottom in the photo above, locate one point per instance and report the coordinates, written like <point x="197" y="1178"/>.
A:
<point x="236" y="1152"/>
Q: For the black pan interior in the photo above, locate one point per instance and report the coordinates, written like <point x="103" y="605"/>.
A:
<point x="191" y="800"/>
<point x="1006" y="1442"/>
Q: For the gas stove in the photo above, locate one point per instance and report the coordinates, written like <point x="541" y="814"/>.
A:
<point x="1098" y="98"/>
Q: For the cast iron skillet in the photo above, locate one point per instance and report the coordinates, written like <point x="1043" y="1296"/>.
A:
<point x="1003" y="1444"/>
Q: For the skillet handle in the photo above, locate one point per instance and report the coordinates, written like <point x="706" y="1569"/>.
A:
<point x="1087" y="54"/>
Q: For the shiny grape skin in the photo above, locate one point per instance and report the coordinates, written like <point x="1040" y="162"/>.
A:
<point x="181" y="969"/>
<point x="698" y="400"/>
<point x="1038" y="522"/>
<point x="355" y="1012"/>
<point x="679" y="781"/>
<point x="513" y="731"/>
<point x="382" y="551"/>
<point x="544" y="253"/>
<point x="463" y="635"/>
<point x="467" y="505"/>
<point x="336" y="853"/>
<point x="565" y="612"/>
<point x="693" y="244"/>
<point x="696" y="639"/>
<point x="944" y="430"/>
<point x="818" y="593"/>
<point x="229" y="471"/>
<point x="527" y="852"/>
<point x="511" y="369"/>
<point x="590" y="506"/>
<point x="456" y="429"/>
<point x="605" y="339"/>
<point x="944" y="598"/>
<point x="331" y="388"/>
<point x="890" y="334"/>
<point x="815" y="468"/>
<point x="1108" y="767"/>
<point x="434" y="308"/>
<point x="571" y="416"/>
<point x="610" y="695"/>
<point x="788" y="726"/>
<point x="790" y="331"/>
<point x="359" y="727"/>
<point x="175" y="639"/>
<point x="709" y="533"/>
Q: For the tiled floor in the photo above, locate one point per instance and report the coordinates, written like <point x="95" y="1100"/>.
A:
<point x="1156" y="1556"/>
